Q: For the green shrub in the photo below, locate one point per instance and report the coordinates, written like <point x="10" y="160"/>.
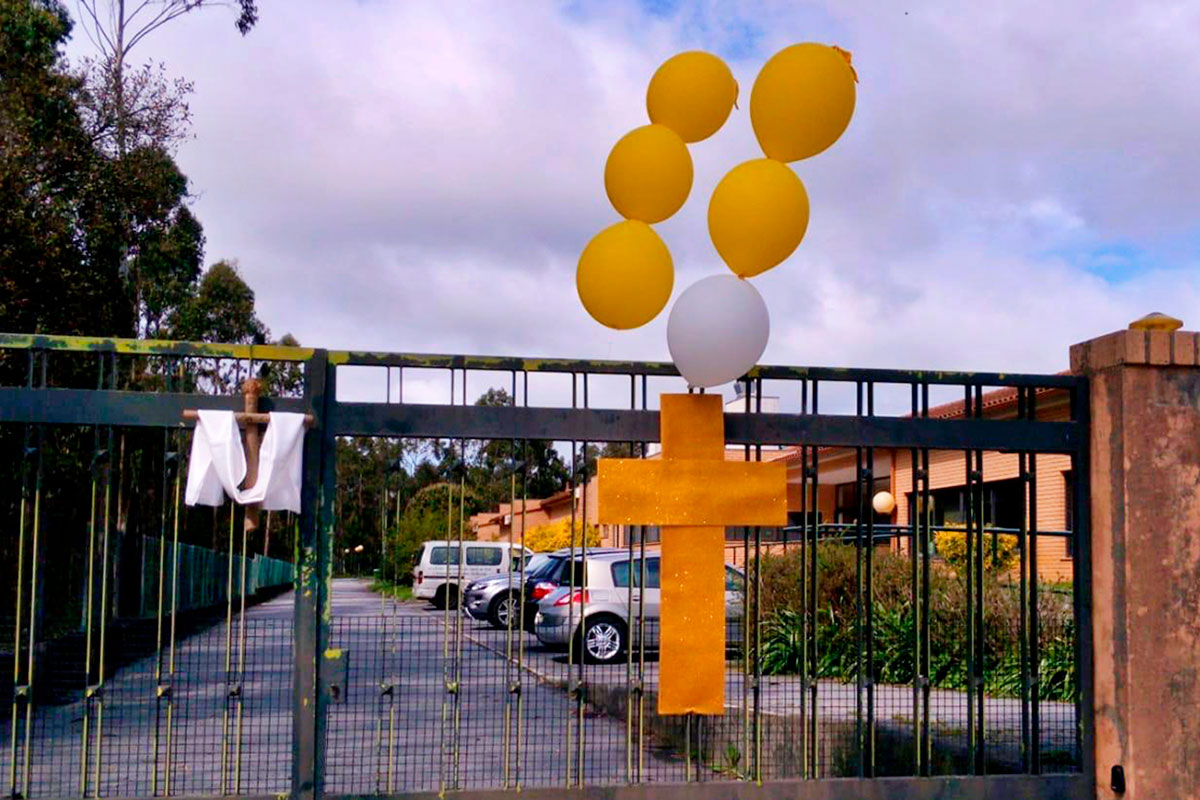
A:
<point x="782" y="642"/>
<point x="837" y="635"/>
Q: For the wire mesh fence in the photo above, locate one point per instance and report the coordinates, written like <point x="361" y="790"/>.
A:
<point x="435" y="703"/>
<point x="187" y="740"/>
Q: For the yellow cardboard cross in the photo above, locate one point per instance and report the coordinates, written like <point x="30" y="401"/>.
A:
<point x="692" y="493"/>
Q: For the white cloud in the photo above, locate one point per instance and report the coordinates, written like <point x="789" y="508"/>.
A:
<point x="422" y="177"/>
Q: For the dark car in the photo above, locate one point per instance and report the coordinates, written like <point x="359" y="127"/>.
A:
<point x="552" y="574"/>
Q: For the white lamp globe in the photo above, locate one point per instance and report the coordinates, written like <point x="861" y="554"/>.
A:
<point x="883" y="503"/>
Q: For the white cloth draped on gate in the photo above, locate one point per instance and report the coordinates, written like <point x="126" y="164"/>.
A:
<point x="217" y="464"/>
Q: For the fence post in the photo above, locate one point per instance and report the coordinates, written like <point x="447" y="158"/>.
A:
<point x="311" y="629"/>
<point x="1145" y="558"/>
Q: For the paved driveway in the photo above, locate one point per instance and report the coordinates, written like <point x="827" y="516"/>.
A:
<point x="397" y="728"/>
<point x="402" y="727"/>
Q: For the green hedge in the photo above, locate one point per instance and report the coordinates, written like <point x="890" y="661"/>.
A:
<point x="837" y="637"/>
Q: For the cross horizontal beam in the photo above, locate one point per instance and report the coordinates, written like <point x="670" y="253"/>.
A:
<point x="635" y="492"/>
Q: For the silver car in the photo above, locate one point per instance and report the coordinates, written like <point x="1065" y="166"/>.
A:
<point x="494" y="598"/>
<point x="604" y="631"/>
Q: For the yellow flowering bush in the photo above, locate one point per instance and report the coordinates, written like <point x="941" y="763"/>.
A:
<point x="999" y="550"/>
<point x="556" y="535"/>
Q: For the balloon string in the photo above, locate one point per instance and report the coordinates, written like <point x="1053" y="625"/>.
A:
<point x="849" y="60"/>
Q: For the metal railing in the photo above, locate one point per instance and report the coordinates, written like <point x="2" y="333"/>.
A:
<point x="201" y="572"/>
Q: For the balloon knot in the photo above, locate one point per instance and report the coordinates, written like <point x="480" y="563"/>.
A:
<point x="849" y="60"/>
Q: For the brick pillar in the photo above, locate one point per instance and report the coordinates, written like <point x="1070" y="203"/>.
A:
<point x="1145" y="489"/>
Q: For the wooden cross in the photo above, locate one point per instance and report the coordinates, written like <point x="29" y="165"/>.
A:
<point x="692" y="494"/>
<point x="250" y="419"/>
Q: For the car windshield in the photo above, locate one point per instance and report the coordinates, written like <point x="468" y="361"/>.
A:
<point x="545" y="569"/>
<point x="535" y="562"/>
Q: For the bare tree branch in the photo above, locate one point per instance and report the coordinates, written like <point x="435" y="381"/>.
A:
<point x="90" y="7"/>
<point x="155" y="24"/>
<point x="129" y="19"/>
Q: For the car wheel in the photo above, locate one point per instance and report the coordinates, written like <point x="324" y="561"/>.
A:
<point x="502" y="610"/>
<point x="603" y="640"/>
<point x="445" y="596"/>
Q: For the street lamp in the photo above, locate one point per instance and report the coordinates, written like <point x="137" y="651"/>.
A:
<point x="883" y="503"/>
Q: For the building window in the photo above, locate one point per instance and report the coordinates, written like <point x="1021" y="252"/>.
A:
<point x="1003" y="505"/>
<point x="739" y="533"/>
<point x="736" y="533"/>
<point x="650" y="533"/>
<point x="845" y="505"/>
<point x="796" y="518"/>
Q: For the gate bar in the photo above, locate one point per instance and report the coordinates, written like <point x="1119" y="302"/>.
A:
<point x="311" y="633"/>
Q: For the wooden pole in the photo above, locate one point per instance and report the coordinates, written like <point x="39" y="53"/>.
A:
<point x="251" y="390"/>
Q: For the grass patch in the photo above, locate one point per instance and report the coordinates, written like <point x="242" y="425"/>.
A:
<point x="387" y="588"/>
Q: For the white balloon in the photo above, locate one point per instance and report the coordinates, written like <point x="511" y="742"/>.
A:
<point x="717" y="330"/>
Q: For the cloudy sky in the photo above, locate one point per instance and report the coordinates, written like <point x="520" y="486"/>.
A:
<point x="1019" y="175"/>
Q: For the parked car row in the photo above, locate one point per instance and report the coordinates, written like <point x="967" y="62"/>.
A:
<point x="558" y="607"/>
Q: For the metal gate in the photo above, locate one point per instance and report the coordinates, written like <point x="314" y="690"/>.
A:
<point x="938" y="648"/>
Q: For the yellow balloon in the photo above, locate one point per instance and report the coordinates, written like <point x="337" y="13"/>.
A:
<point x="802" y="101"/>
<point x="692" y="93"/>
<point x="757" y="215"/>
<point x="648" y="174"/>
<point x="625" y="275"/>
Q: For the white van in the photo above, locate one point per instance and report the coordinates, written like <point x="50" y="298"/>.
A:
<point x="436" y="570"/>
